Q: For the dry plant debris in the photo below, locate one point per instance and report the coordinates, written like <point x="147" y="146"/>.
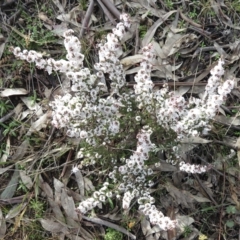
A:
<point x="39" y="193"/>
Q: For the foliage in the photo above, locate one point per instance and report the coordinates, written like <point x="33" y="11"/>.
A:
<point x="113" y="235"/>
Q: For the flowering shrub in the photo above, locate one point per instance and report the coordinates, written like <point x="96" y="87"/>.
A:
<point x="108" y="124"/>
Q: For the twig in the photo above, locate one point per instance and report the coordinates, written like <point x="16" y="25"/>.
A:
<point x="107" y="12"/>
<point x="111" y="7"/>
<point x="87" y="18"/>
<point x="6" y="117"/>
<point x="109" y="224"/>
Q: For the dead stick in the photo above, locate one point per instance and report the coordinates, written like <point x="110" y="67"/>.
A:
<point x="87" y="18"/>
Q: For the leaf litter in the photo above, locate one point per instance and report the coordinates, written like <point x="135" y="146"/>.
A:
<point x="177" y="46"/>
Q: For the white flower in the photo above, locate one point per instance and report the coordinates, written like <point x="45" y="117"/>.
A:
<point x="75" y="169"/>
<point x="83" y="134"/>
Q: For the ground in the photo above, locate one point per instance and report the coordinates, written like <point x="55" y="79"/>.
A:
<point x="39" y="191"/>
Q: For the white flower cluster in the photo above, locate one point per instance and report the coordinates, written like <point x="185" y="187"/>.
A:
<point x="183" y="116"/>
<point x="109" y="53"/>
<point x="97" y="198"/>
<point x="156" y="217"/>
<point x="74" y="56"/>
<point x="192" y="168"/>
<point x="96" y="119"/>
<point x="76" y="112"/>
<point x="144" y="85"/>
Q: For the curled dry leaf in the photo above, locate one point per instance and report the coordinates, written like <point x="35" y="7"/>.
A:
<point x="131" y="60"/>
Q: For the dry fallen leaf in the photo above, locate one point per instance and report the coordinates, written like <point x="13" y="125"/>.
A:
<point x="53" y="226"/>
<point x="13" y="91"/>
<point x="10" y="189"/>
<point x="15" y="211"/>
<point x="27" y="181"/>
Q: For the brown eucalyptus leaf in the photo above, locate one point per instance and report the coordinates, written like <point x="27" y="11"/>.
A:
<point x="146" y="227"/>
<point x="131" y="60"/>
<point x="13" y="91"/>
<point x="21" y="150"/>
<point x="59" y="5"/>
<point x="183" y="221"/>
<point x="33" y="106"/>
<point x="46" y="188"/>
<point x="58" y="186"/>
<point x="223" y="17"/>
<point x="80" y="182"/>
<point x="170" y="41"/>
<point x="3" y="170"/>
<point x="150" y="33"/>
<point x="15" y="211"/>
<point x="53" y="226"/>
<point x="27" y="181"/>
<point x="10" y="190"/>
<point x="88" y="184"/>
<point x="182" y="42"/>
<point x="158" y="50"/>
<point x="68" y="205"/>
<point x="182" y="197"/>
<point x="39" y="124"/>
<point x="114" y="215"/>
<point x="227" y="120"/>
<point x="71" y="17"/>
<point x="56" y="210"/>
